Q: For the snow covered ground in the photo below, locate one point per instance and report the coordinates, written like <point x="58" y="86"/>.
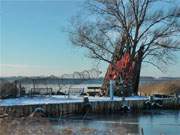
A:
<point x="59" y="99"/>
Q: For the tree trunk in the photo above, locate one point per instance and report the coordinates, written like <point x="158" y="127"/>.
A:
<point x="127" y="85"/>
<point x="136" y="79"/>
<point x="131" y="88"/>
<point x="137" y="72"/>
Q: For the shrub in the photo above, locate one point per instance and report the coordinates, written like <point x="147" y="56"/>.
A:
<point x="8" y="90"/>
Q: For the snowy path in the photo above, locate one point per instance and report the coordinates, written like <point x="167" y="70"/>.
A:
<point x="58" y="100"/>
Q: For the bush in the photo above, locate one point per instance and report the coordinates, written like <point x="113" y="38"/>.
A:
<point x="8" y="90"/>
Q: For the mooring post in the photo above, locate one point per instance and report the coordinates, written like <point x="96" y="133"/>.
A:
<point x="142" y="131"/>
<point x="111" y="89"/>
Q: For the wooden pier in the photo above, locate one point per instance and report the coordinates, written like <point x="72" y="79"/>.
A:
<point x="62" y="109"/>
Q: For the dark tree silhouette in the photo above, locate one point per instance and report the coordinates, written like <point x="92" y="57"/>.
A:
<point x="114" y="28"/>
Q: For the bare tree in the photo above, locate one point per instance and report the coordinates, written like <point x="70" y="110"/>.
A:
<point x="115" y="27"/>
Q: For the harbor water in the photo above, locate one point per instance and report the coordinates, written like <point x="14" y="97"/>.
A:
<point x="147" y="123"/>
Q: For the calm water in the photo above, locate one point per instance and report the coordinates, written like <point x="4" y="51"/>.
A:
<point x="154" y="123"/>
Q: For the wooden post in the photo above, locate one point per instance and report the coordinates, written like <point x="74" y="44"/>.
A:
<point x="142" y="131"/>
<point x="111" y="89"/>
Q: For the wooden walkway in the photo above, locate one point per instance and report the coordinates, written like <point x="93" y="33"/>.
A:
<point x="102" y="106"/>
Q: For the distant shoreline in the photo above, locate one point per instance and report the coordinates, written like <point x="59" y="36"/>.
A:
<point x="55" y="79"/>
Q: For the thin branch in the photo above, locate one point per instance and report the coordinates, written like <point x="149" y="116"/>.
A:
<point x="149" y="62"/>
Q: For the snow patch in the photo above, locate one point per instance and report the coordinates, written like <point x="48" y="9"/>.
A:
<point x="59" y="99"/>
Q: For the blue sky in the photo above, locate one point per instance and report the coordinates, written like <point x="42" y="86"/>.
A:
<point x="33" y="42"/>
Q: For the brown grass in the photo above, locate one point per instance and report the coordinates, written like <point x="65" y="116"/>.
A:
<point x="25" y="126"/>
<point x="166" y="88"/>
<point x="42" y="126"/>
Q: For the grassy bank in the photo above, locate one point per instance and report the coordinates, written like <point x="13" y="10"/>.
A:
<point x="165" y="88"/>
